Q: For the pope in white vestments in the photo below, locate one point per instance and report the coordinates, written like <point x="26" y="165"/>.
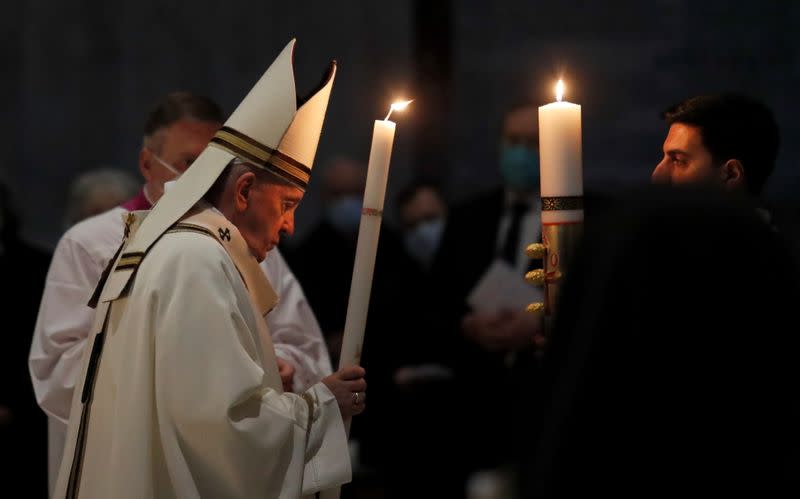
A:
<point x="179" y="394"/>
<point x="64" y="319"/>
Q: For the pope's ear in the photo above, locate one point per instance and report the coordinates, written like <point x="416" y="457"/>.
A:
<point x="244" y="188"/>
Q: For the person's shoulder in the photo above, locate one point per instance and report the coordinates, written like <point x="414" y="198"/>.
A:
<point x="97" y="234"/>
<point x="187" y="255"/>
<point x="189" y="247"/>
<point x="186" y="261"/>
<point x="89" y="227"/>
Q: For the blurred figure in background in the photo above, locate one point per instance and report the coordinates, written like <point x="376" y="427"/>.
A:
<point x="342" y="194"/>
<point x="490" y="231"/>
<point x="496" y="227"/>
<point x="423" y="213"/>
<point x="672" y="362"/>
<point x="323" y="259"/>
<point x="23" y="427"/>
<point x="96" y="191"/>
<point x="424" y="377"/>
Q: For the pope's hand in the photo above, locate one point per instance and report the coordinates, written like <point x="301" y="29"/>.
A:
<point x="286" y="372"/>
<point x="349" y="388"/>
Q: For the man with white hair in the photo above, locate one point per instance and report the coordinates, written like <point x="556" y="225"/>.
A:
<point x="176" y="131"/>
<point x="180" y="394"/>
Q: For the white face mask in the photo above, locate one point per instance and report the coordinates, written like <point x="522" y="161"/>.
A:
<point x="422" y="241"/>
<point x="166" y="165"/>
<point x="153" y="197"/>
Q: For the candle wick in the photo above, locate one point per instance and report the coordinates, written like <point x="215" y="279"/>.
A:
<point x="389" y="114"/>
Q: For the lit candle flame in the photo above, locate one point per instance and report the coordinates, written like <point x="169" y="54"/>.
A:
<point x="398" y="106"/>
<point x="559" y="90"/>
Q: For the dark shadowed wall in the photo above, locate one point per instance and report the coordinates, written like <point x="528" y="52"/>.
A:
<point x="78" y="78"/>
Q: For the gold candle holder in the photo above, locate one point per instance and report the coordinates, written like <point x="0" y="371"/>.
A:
<point x="562" y="227"/>
<point x="560" y="241"/>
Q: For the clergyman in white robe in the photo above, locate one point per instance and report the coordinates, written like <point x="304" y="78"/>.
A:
<point x="65" y="320"/>
<point x="184" y="399"/>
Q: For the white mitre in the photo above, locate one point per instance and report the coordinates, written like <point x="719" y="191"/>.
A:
<point x="267" y="129"/>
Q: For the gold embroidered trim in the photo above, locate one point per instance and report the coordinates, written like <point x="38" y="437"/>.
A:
<point x="129" y="260"/>
<point x="188" y="227"/>
<point x="562" y="203"/>
<point x="310" y="401"/>
<point x="263" y="156"/>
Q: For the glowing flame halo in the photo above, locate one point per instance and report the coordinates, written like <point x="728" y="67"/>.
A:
<point x="398" y="106"/>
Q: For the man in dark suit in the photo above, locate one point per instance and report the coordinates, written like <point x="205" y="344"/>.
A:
<point x="483" y="346"/>
<point x="497" y="225"/>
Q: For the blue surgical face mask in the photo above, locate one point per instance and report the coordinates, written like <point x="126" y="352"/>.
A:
<point x="519" y="166"/>
<point x="422" y="241"/>
<point x="345" y="214"/>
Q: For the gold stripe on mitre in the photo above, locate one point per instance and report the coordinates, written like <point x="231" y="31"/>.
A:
<point x="252" y="151"/>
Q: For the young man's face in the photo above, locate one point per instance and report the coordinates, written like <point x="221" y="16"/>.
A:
<point x="269" y="214"/>
<point x="686" y="160"/>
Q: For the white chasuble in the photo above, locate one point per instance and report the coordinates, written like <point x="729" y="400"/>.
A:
<point x="185" y="399"/>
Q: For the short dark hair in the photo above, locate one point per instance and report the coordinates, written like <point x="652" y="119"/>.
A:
<point x="177" y="106"/>
<point x="733" y="126"/>
<point x="513" y="106"/>
<point x="417" y="184"/>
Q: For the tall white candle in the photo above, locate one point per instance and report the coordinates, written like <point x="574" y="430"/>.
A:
<point x="366" y="248"/>
<point x="371" y="214"/>
<point x="560" y="155"/>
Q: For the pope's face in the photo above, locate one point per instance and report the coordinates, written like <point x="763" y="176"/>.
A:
<point x="686" y="160"/>
<point x="269" y="214"/>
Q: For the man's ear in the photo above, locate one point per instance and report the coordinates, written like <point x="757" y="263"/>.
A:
<point x="144" y="163"/>
<point x="244" y="189"/>
<point x="732" y="172"/>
